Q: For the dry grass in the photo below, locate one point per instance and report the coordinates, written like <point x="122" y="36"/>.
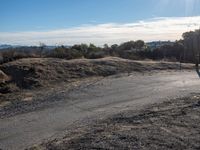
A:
<point x="34" y="72"/>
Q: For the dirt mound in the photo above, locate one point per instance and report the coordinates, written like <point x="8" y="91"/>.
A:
<point x="34" y="72"/>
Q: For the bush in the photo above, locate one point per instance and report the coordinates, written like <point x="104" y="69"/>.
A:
<point x="66" y="53"/>
<point x="96" y="55"/>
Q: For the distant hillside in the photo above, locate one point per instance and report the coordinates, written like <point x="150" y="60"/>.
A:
<point x="5" y="46"/>
<point x="158" y="44"/>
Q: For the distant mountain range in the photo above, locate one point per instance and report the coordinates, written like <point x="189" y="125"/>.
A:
<point x="158" y="44"/>
<point x="154" y="44"/>
<point x="6" y="46"/>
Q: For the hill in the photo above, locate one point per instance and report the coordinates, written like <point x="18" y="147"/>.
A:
<point x="33" y="72"/>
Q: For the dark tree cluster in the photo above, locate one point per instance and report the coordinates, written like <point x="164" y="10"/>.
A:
<point x="192" y="45"/>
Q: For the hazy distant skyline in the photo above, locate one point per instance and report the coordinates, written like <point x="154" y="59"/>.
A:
<point x="28" y="22"/>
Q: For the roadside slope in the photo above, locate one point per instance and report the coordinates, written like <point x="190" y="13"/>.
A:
<point x="33" y="72"/>
<point x="31" y="77"/>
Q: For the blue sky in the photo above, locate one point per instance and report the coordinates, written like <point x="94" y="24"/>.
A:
<point x="44" y="17"/>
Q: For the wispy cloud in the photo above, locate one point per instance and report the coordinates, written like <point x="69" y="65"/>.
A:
<point x="163" y="28"/>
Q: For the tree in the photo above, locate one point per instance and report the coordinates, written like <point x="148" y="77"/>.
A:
<point x="139" y="44"/>
<point x="127" y="46"/>
<point x="80" y="47"/>
<point x="105" y="46"/>
<point x="114" y="47"/>
<point x="93" y="48"/>
<point x="42" y="47"/>
<point x="192" y="43"/>
<point x="59" y="52"/>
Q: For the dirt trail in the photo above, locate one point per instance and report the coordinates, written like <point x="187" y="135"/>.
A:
<point x="104" y="98"/>
<point x="173" y="124"/>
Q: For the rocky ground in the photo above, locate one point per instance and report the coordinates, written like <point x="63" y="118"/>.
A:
<point x="174" y="124"/>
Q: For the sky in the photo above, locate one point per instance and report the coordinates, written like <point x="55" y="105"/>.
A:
<point x="67" y="22"/>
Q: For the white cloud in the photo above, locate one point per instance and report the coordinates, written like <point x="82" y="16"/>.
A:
<point x="148" y="30"/>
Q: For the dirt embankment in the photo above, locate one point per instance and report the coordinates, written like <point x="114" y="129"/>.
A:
<point x="34" y="72"/>
<point x="171" y="125"/>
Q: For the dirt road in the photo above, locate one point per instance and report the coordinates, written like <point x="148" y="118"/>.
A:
<point x="106" y="97"/>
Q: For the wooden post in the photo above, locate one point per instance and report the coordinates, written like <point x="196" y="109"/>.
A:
<point x="197" y="60"/>
<point x="180" y="62"/>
